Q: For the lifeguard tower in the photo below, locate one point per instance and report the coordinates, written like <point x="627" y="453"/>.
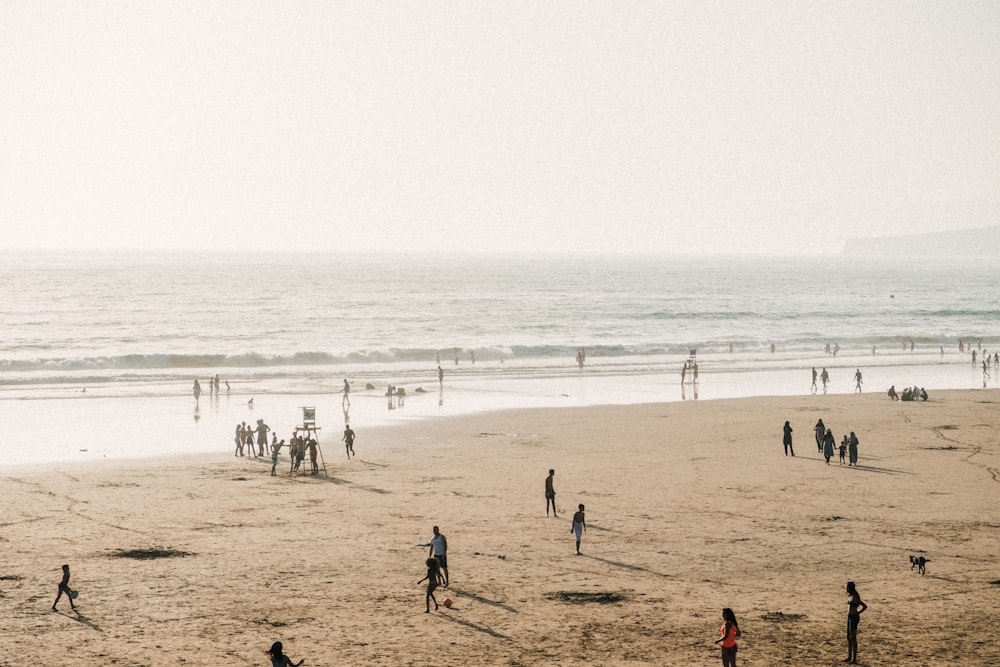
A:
<point x="692" y="364"/>
<point x="307" y="430"/>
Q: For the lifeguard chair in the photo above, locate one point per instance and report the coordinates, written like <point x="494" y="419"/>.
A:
<point x="692" y="364"/>
<point x="308" y="430"/>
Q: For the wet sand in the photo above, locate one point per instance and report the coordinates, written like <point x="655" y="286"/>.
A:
<point x="691" y="507"/>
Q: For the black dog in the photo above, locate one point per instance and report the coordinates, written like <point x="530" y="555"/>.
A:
<point x="919" y="562"/>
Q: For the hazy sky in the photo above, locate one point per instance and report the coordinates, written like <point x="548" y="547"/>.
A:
<point x="489" y="126"/>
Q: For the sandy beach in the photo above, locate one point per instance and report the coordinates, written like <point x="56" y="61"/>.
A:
<point x="690" y="507"/>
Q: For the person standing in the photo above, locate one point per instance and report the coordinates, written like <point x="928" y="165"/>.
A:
<point x="820" y="434"/>
<point x="825" y="377"/>
<point x="262" y="430"/>
<point x="274" y="457"/>
<point x="855" y="608"/>
<point x="730" y="632"/>
<point x="348" y="440"/>
<point x="197" y="390"/>
<point x="313" y="451"/>
<point x="579" y="527"/>
<point x="433" y="580"/>
<point x="347" y="393"/>
<point x="440" y="376"/>
<point x="439" y="550"/>
<point x="787" y="439"/>
<point x="813" y="386"/>
<point x="64" y="588"/>
<point x="852" y="449"/>
<point x="550" y="494"/>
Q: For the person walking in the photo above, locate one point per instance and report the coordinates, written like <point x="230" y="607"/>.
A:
<point x="730" y="632"/>
<point x="787" y="439"/>
<point x="828" y="444"/>
<point x="857" y="380"/>
<point x="579" y="527"/>
<point x="852" y="449"/>
<point x="64" y="588"/>
<point x="813" y="386"/>
<point x="820" y="434"/>
<point x="550" y="494"/>
<point x="439" y="550"/>
<point x="855" y="608"/>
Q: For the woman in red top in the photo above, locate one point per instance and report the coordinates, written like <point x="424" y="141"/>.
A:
<point x="730" y="632"/>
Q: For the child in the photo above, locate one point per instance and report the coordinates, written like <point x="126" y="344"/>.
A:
<point x="843" y="450"/>
<point x="433" y="579"/>
<point x="279" y="659"/>
<point x="64" y="588"/>
<point x="730" y="632"/>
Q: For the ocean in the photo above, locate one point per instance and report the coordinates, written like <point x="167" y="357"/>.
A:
<point x="110" y="334"/>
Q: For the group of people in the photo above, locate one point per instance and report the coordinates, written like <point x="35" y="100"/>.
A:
<point x="909" y="394"/>
<point x="247" y="436"/>
<point x="579" y="525"/>
<point x="297" y="446"/>
<point x="824" y="378"/>
<point x="213" y="387"/>
<point x="826" y="443"/>
<point x="437" y="568"/>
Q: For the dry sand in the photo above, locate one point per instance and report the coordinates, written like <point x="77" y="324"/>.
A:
<point x="690" y="507"/>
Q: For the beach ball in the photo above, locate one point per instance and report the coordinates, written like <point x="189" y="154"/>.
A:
<point x="447" y="602"/>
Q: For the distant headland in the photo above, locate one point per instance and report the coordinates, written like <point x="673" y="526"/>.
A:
<point x="962" y="243"/>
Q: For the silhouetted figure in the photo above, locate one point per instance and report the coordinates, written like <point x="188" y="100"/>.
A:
<point x="855" y="608"/>
<point x="550" y="494"/>
<point x="64" y="588"/>
<point x="579" y="527"/>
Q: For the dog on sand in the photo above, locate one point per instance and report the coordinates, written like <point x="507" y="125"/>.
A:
<point x="919" y="562"/>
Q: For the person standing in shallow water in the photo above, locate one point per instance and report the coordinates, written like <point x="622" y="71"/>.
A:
<point x="787" y="439"/>
<point x="550" y="494"/>
<point x="579" y="527"/>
